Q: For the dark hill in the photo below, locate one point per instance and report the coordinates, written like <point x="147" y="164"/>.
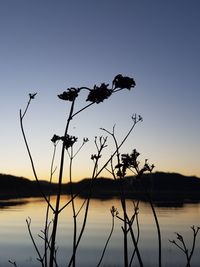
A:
<point x="169" y="186"/>
<point x="161" y="186"/>
<point x="18" y="187"/>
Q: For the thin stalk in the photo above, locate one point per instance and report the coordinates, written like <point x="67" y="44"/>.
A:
<point x="157" y="226"/>
<point x="125" y="231"/>
<point x="57" y="207"/>
<point x="74" y="196"/>
<point x="183" y="246"/>
<point x="28" y="221"/>
<point x="82" y="109"/>
<point x="122" y="197"/>
<point x="13" y="263"/>
<point x="87" y="204"/>
<point x="109" y="237"/>
<point x="195" y="232"/>
<point x="27" y="106"/>
<point x="82" y="228"/>
<point x="46" y="231"/>
<point x="133" y="239"/>
<point x="123" y="202"/>
<point x="186" y="253"/>
<point x="31" y="159"/>
<point x="135" y="243"/>
<point x="135" y="216"/>
<point x="81" y="207"/>
<point x="73" y="208"/>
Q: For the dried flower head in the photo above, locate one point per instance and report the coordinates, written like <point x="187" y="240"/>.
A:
<point x="95" y="157"/>
<point x="147" y="167"/>
<point x="123" y="82"/>
<point x="128" y="161"/>
<point x="179" y="237"/>
<point x="32" y="96"/>
<point x="70" y="94"/>
<point x="99" y="94"/>
<point x="85" y="140"/>
<point x="69" y="140"/>
<point x="55" y="138"/>
<point x="114" y="211"/>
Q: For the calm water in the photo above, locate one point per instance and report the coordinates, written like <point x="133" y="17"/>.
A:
<point x="15" y="243"/>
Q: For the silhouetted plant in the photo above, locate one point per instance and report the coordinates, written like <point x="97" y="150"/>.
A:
<point x="114" y="214"/>
<point x="117" y="164"/>
<point x="13" y="263"/>
<point x="180" y="243"/>
<point x="96" y="95"/>
<point x="123" y="163"/>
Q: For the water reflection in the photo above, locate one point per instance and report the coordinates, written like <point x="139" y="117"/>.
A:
<point x="15" y="242"/>
<point x="6" y="204"/>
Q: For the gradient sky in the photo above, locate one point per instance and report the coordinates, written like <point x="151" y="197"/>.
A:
<point x="48" y="46"/>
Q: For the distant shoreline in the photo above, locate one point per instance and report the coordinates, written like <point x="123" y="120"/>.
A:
<point x="162" y="187"/>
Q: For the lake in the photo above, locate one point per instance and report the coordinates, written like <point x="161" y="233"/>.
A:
<point x="15" y="243"/>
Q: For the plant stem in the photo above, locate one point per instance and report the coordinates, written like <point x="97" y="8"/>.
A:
<point x="46" y="230"/>
<point x="57" y="207"/>
<point x="157" y="226"/>
<point x="105" y="247"/>
<point x="31" y="159"/>
<point x="73" y="208"/>
<point x="125" y="231"/>
<point x="135" y="215"/>
<point x="87" y="204"/>
<point x="28" y="221"/>
<point x="123" y="202"/>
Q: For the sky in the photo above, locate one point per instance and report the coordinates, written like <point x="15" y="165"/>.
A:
<point x="49" y="46"/>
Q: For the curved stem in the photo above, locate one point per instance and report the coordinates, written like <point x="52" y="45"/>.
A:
<point x="157" y="226"/>
<point x="27" y="106"/>
<point x="31" y="160"/>
<point x="28" y="221"/>
<point x="109" y="237"/>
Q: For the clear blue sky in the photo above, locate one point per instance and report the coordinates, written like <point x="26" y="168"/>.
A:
<point x="48" y="46"/>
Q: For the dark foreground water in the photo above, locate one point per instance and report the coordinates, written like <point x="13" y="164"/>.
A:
<point x="15" y="243"/>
